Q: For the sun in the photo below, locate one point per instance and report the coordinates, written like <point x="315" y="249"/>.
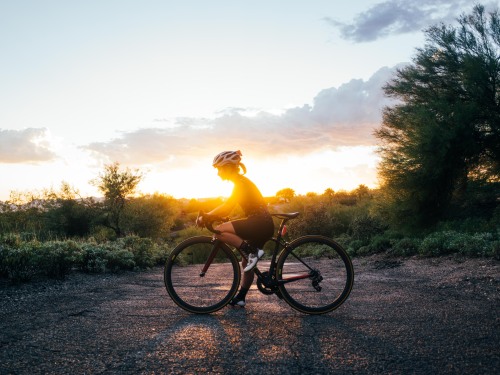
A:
<point x="341" y="169"/>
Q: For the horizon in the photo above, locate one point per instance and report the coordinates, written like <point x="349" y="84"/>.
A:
<point x="163" y="88"/>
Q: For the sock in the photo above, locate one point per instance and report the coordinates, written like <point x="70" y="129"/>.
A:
<point x="247" y="248"/>
<point x="242" y="293"/>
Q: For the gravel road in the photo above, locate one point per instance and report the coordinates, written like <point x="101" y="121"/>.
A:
<point x="404" y="316"/>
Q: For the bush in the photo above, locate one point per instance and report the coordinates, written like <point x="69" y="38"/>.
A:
<point x="405" y="246"/>
<point x="365" y="227"/>
<point x="56" y="258"/>
<point x="120" y="259"/>
<point x="433" y="244"/>
<point x="4" y="250"/>
<point x="21" y="263"/>
<point x="448" y="242"/>
<point x="93" y="258"/>
<point x="191" y="231"/>
<point x="379" y="244"/>
<point x="354" y="247"/>
<point x="143" y="249"/>
<point x="479" y="244"/>
<point x="11" y="239"/>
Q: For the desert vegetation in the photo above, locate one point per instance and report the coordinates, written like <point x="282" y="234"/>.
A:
<point x="439" y="176"/>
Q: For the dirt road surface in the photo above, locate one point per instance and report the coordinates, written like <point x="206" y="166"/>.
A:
<point x="404" y="316"/>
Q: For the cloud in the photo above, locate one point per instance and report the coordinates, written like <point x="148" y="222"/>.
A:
<point x="343" y="116"/>
<point x="393" y="17"/>
<point x="28" y="145"/>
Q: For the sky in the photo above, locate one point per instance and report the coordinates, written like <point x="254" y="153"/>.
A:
<point x="163" y="86"/>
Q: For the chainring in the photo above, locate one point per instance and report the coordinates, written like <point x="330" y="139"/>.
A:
<point x="260" y="284"/>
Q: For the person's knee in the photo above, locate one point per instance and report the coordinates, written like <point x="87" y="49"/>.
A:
<point x="225" y="227"/>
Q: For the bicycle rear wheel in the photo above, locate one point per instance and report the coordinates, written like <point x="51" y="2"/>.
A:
<point x="315" y="274"/>
<point x="194" y="288"/>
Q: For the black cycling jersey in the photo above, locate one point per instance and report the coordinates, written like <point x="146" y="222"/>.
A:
<point x="258" y="227"/>
<point x="248" y="196"/>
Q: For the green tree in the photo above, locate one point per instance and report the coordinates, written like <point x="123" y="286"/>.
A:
<point x="329" y="193"/>
<point x="116" y="185"/>
<point x="67" y="213"/>
<point x="286" y="194"/>
<point x="23" y="213"/>
<point x="150" y="215"/>
<point x="444" y="130"/>
<point x="362" y="192"/>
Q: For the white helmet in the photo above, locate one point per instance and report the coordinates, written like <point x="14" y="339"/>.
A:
<point x="227" y="157"/>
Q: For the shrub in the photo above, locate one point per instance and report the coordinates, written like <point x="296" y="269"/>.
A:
<point x="4" y="251"/>
<point x="119" y="259"/>
<point x="405" y="246"/>
<point x="434" y="244"/>
<point x="379" y="244"/>
<point x="495" y="250"/>
<point x="162" y="253"/>
<point x="355" y="246"/>
<point x="184" y="234"/>
<point x="363" y="250"/>
<point x="11" y="239"/>
<point x="365" y="227"/>
<point x="93" y="258"/>
<point x="143" y="250"/>
<point x="56" y="258"/>
<point x="479" y="244"/>
<point x="344" y="239"/>
<point x="448" y="242"/>
<point x="21" y="263"/>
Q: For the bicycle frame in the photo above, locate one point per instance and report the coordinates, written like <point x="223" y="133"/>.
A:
<point x="311" y="261"/>
<point x="280" y="246"/>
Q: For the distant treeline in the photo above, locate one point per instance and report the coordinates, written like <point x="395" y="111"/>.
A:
<point x="439" y="180"/>
<point x="52" y="237"/>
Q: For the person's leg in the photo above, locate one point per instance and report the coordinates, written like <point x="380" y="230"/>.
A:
<point x="248" y="277"/>
<point x="246" y="283"/>
<point x="229" y="236"/>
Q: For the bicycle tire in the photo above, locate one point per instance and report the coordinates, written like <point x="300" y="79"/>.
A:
<point x="332" y="263"/>
<point x="192" y="291"/>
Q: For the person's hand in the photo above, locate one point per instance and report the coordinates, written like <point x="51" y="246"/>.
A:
<point x="199" y="221"/>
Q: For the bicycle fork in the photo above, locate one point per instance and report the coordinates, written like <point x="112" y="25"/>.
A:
<point x="210" y="259"/>
<point x="212" y="255"/>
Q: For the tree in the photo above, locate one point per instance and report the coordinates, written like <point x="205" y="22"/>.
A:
<point x="116" y="185"/>
<point x="150" y="215"/>
<point x="444" y="130"/>
<point x="286" y="194"/>
<point x="362" y="192"/>
<point x="67" y="213"/>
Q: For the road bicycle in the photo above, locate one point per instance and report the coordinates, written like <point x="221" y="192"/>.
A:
<point x="313" y="273"/>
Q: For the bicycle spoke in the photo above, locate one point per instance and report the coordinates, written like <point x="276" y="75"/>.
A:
<point x="329" y="273"/>
<point x="199" y="279"/>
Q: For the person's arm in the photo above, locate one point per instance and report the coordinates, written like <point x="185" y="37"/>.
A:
<point x="221" y="211"/>
<point x="224" y="209"/>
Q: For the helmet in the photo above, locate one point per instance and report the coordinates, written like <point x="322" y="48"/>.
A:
<point x="227" y="157"/>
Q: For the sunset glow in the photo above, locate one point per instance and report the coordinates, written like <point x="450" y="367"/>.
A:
<point x="163" y="88"/>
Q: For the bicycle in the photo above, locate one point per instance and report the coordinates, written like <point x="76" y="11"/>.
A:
<point x="312" y="273"/>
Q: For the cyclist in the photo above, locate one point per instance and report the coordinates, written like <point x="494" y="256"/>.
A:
<point x="250" y="233"/>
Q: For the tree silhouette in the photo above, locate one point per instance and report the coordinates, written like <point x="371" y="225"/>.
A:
<point x="444" y="131"/>
<point x="116" y="185"/>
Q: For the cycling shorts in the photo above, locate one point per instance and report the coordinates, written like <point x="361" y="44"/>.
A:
<point x="255" y="229"/>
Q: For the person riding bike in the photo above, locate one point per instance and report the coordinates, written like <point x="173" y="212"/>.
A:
<point x="250" y="233"/>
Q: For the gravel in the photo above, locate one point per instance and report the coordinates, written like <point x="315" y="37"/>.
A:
<point x="404" y="316"/>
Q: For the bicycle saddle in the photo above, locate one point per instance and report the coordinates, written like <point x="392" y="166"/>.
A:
<point x="290" y="215"/>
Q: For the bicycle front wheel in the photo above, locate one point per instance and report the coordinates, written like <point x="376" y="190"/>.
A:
<point x="202" y="275"/>
<point x="315" y="274"/>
